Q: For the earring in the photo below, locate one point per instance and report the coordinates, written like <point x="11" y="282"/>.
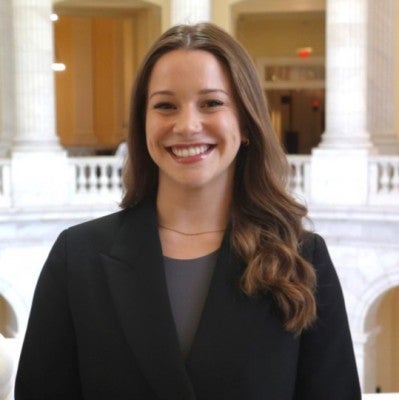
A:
<point x="245" y="142"/>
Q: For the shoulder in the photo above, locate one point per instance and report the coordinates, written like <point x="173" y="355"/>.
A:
<point x="88" y="236"/>
<point x="101" y="232"/>
<point x="106" y="224"/>
<point x="109" y="224"/>
<point x="314" y="249"/>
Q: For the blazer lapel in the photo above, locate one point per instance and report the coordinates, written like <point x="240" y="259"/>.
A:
<point x="137" y="283"/>
<point x="221" y="344"/>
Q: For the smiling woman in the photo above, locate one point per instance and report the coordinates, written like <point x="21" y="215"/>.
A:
<point x="206" y="285"/>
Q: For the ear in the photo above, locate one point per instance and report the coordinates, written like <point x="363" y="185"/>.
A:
<point x="245" y="141"/>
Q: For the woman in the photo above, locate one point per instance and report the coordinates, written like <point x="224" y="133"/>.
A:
<point x="206" y="285"/>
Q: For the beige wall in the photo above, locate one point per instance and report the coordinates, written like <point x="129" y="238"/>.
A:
<point x="387" y="344"/>
<point x="102" y="55"/>
<point x="279" y="35"/>
<point x="221" y="14"/>
<point x="226" y="12"/>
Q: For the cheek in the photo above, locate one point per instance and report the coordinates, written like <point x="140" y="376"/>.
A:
<point x="149" y="142"/>
<point x="231" y="126"/>
<point x="150" y="131"/>
<point x="154" y="127"/>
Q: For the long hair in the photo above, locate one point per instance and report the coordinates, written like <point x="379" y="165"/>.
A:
<point x="266" y="221"/>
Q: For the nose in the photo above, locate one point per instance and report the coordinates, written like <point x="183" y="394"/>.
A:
<point x="188" y="121"/>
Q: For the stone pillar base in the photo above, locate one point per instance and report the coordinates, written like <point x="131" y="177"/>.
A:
<point x="4" y="150"/>
<point x="339" y="177"/>
<point x="386" y="144"/>
<point x="39" y="179"/>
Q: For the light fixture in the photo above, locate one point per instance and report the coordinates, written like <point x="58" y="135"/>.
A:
<point x="53" y="17"/>
<point x="58" y="67"/>
<point x="304" y="52"/>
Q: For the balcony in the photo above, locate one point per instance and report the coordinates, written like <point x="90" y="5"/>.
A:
<point x="383" y="187"/>
<point x="99" y="180"/>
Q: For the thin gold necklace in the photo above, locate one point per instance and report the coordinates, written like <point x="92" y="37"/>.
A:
<point x="190" y="234"/>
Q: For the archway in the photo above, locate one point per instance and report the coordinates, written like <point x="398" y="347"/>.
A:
<point x="382" y="361"/>
<point x="365" y="325"/>
<point x="8" y="319"/>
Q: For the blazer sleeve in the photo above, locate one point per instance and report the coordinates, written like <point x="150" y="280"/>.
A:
<point x="48" y="367"/>
<point x="327" y="368"/>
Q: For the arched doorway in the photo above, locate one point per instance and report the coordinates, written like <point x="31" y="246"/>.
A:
<point x="381" y="350"/>
<point x="8" y="319"/>
<point x="101" y="45"/>
<point x="382" y="357"/>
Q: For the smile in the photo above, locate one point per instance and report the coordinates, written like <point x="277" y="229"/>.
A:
<point x="190" y="151"/>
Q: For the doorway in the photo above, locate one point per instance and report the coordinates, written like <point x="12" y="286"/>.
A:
<point x="298" y="118"/>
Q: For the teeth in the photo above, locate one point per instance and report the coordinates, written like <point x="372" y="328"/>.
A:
<point x="189" y="151"/>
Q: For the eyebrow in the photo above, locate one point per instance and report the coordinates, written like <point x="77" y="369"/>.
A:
<point x="203" y="91"/>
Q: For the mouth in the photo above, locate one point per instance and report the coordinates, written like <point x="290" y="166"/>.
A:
<point x="190" y="151"/>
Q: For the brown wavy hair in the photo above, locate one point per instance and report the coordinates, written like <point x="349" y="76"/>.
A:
<point x="266" y="221"/>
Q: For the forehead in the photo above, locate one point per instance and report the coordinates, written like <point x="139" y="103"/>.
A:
<point x="183" y="66"/>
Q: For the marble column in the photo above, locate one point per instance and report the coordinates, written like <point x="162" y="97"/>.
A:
<point x="346" y="75"/>
<point x="6" y="83"/>
<point x="190" y="11"/>
<point x="339" y="166"/>
<point x="381" y="76"/>
<point x="40" y="173"/>
<point x="33" y="76"/>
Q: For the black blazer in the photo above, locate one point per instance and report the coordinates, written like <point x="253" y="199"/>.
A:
<point x="101" y="327"/>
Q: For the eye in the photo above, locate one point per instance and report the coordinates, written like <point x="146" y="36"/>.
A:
<point x="164" y="105"/>
<point x="212" y="103"/>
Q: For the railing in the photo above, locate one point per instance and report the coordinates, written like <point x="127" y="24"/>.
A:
<point x="299" y="178"/>
<point x="99" y="178"/>
<point x="384" y="180"/>
<point x="96" y="179"/>
<point x="5" y="184"/>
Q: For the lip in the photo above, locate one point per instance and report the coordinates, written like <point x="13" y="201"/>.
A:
<point x="190" y="153"/>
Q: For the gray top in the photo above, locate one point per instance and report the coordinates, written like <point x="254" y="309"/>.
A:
<point x="188" y="284"/>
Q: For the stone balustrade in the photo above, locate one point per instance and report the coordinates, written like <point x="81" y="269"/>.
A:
<point x="299" y="183"/>
<point x="384" y="180"/>
<point x="99" y="179"/>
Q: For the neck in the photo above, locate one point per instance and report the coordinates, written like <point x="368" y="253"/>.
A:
<point x="193" y="212"/>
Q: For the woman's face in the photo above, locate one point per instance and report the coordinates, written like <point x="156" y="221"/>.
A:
<point x="192" y="126"/>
